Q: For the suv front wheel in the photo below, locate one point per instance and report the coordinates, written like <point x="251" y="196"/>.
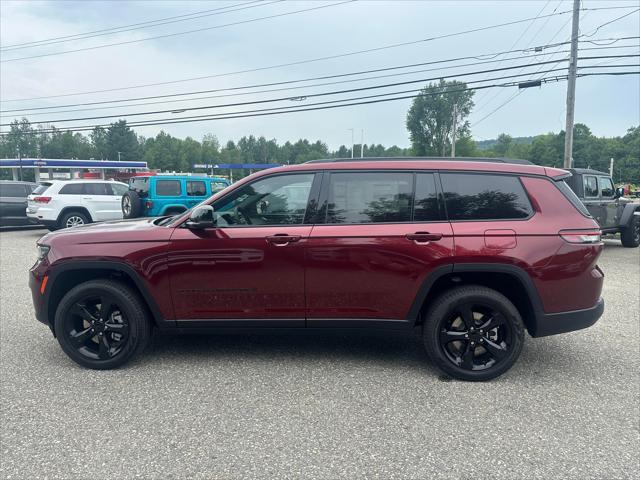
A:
<point x="101" y="324"/>
<point x="473" y="333"/>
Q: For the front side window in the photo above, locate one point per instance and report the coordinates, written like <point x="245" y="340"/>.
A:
<point x="72" y="189"/>
<point x="279" y="200"/>
<point x="369" y="197"/>
<point x="606" y="187"/>
<point x="484" y="197"/>
<point x="168" y="188"/>
<point x="196" y="188"/>
<point x="590" y="186"/>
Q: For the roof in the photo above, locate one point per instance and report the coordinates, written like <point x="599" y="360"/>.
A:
<point x="68" y="163"/>
<point x="423" y="159"/>
<point x="587" y="171"/>
<point x="414" y="163"/>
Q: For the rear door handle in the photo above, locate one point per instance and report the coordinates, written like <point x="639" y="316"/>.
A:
<point x="422" y="238"/>
<point x="282" y="239"/>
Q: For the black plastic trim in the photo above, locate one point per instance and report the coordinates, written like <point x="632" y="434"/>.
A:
<point x="373" y="323"/>
<point x="555" y="323"/>
<point x="241" y="323"/>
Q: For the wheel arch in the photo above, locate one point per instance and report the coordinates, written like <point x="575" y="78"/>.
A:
<point x="83" y="210"/>
<point x="176" y="207"/>
<point x="65" y="277"/>
<point x="627" y="214"/>
<point x="510" y="280"/>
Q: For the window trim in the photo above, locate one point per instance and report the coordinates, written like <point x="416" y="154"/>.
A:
<point x="502" y="174"/>
<point x="584" y="181"/>
<point x="317" y="178"/>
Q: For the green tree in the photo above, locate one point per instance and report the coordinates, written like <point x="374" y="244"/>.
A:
<point x="430" y="118"/>
<point x="120" y="138"/>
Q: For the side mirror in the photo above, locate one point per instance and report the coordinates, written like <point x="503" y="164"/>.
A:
<point x="201" y="217"/>
<point x="619" y="192"/>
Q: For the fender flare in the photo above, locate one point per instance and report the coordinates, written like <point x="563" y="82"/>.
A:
<point x="111" y="265"/>
<point x="181" y="206"/>
<point x="83" y="210"/>
<point x="627" y="214"/>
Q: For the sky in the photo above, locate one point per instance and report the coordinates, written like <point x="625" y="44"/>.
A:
<point x="608" y="105"/>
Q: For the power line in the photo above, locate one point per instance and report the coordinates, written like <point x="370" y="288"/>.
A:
<point x="138" y="26"/>
<point x="128" y="42"/>
<point x="288" y="98"/>
<point x="294" y="110"/>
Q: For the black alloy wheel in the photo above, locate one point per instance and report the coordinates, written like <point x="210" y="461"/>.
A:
<point x="473" y="333"/>
<point x="101" y="324"/>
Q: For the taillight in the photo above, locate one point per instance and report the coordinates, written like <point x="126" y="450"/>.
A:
<point x="148" y="204"/>
<point x="42" y="199"/>
<point x="581" y="236"/>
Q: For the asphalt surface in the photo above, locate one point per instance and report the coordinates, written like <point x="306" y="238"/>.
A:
<point x="319" y="406"/>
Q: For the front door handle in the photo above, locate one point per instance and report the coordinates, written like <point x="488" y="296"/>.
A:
<point x="423" y="238"/>
<point x="282" y="239"/>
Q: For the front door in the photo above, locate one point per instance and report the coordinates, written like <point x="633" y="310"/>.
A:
<point x="608" y="203"/>
<point x="592" y="199"/>
<point x="250" y="268"/>
<point x="370" y="254"/>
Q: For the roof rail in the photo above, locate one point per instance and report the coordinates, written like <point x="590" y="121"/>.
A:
<point x="424" y="159"/>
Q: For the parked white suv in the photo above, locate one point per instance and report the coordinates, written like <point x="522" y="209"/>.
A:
<point x="69" y="203"/>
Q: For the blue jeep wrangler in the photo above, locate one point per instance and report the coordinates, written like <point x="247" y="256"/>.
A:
<point x="155" y="196"/>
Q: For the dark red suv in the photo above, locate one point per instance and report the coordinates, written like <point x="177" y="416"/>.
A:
<point x="470" y="251"/>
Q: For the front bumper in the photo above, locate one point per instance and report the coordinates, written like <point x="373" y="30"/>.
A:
<point x="555" y="323"/>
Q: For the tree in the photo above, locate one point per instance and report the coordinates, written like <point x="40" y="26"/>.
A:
<point x="120" y="138"/>
<point x="430" y="118"/>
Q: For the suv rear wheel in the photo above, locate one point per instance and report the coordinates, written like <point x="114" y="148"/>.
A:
<point x="102" y="324"/>
<point x="630" y="236"/>
<point x="473" y="333"/>
<point x="73" y="219"/>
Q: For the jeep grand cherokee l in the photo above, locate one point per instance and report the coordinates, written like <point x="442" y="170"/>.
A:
<point x="469" y="253"/>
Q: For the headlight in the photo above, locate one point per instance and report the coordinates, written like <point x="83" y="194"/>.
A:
<point x="42" y="251"/>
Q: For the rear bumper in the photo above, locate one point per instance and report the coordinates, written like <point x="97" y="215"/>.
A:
<point x="555" y="323"/>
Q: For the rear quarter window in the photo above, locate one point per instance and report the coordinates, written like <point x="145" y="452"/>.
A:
<point x="41" y="188"/>
<point x="470" y="196"/>
<point x="572" y="197"/>
<point x="168" y="188"/>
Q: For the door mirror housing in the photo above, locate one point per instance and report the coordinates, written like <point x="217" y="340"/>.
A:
<point x="201" y="217"/>
<point x="619" y="192"/>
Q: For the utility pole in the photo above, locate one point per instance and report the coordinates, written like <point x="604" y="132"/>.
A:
<point x="362" y="143"/>
<point x="571" y="86"/>
<point x="351" y="141"/>
<point x="611" y="169"/>
<point x="453" y="134"/>
<point x="119" y="155"/>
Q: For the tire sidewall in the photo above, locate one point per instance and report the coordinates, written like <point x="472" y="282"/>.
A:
<point x="131" y="311"/>
<point x="136" y="208"/>
<point x="445" y="306"/>
<point x="74" y="213"/>
<point x="627" y="236"/>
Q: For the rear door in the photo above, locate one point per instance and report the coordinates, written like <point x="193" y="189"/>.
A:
<point x="98" y="198"/>
<point x="373" y="245"/>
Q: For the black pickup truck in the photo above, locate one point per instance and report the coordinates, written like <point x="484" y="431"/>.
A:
<point x="606" y="204"/>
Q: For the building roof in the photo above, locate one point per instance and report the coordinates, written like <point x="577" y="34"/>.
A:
<point x="68" y="163"/>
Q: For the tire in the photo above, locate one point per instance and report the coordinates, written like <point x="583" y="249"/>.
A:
<point x="131" y="205"/>
<point x="630" y="235"/>
<point x="96" y="340"/>
<point x="73" y="219"/>
<point x="485" y="353"/>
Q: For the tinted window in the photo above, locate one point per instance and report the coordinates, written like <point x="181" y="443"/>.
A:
<point x="425" y="207"/>
<point x="196" y="188"/>
<point x="356" y="197"/>
<point x="72" y="189"/>
<point x="484" y="197"/>
<point x="217" y="186"/>
<point x="41" y="188"/>
<point x="12" y="190"/>
<point x="168" y="188"/>
<point x="590" y="186"/>
<point x="606" y="187"/>
<point x="280" y="200"/>
<point x="117" y="189"/>
<point x="97" y="189"/>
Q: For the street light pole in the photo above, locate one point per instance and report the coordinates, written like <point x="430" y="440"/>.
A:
<point x="351" y="141"/>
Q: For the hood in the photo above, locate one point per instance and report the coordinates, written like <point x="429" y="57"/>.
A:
<point x="118" y="231"/>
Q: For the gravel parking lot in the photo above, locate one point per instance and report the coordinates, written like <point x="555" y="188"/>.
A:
<point x="319" y="406"/>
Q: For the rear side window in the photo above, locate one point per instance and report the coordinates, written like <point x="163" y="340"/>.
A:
<point x="196" y="188"/>
<point x="484" y="197"/>
<point x="572" y="197"/>
<point x="425" y="206"/>
<point x="72" y="189"/>
<point x="590" y="186"/>
<point x="606" y="187"/>
<point x="370" y="197"/>
<point x="12" y="190"/>
<point x="168" y="188"/>
<point x="41" y="188"/>
<point x="97" y="189"/>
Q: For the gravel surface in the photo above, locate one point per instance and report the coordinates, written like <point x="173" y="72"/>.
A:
<point x="319" y="406"/>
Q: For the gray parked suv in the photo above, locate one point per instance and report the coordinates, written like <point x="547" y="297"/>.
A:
<point x="13" y="202"/>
